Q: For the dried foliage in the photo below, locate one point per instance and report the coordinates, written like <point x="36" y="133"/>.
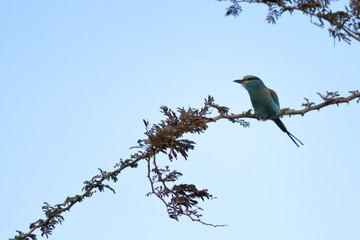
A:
<point x="166" y="139"/>
<point x="343" y="24"/>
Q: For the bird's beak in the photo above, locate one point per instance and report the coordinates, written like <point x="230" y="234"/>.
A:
<point x="239" y="81"/>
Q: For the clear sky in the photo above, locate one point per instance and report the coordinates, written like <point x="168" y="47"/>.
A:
<point x="78" y="77"/>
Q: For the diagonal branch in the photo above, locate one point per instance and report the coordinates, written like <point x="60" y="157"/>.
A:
<point x="53" y="214"/>
<point x="167" y="138"/>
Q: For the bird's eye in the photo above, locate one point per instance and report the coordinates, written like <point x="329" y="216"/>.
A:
<point x="249" y="78"/>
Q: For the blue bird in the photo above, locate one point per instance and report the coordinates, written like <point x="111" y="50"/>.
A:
<point x="265" y="102"/>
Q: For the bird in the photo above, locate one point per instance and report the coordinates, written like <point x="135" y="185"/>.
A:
<point x="265" y="102"/>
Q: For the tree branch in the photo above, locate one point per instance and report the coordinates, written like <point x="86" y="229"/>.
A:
<point x="54" y="214"/>
<point x="166" y="137"/>
<point x="344" y="24"/>
<point x="322" y="105"/>
<point x="327" y="102"/>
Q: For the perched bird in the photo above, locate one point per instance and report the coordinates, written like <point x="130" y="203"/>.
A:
<point x="265" y="102"/>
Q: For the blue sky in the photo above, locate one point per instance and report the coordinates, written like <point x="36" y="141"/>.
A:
<point x="77" y="78"/>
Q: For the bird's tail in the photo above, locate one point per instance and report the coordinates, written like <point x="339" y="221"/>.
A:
<point x="281" y="125"/>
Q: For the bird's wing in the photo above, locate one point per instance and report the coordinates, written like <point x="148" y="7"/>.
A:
<point x="274" y="97"/>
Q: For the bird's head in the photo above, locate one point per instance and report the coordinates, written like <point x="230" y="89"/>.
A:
<point x="250" y="81"/>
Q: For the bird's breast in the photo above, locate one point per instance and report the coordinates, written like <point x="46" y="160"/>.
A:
<point x="264" y="105"/>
